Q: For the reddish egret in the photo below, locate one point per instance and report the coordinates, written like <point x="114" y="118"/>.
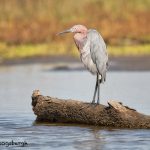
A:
<point x="93" y="53"/>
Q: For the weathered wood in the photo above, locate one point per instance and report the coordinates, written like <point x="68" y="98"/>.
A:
<point x="72" y="111"/>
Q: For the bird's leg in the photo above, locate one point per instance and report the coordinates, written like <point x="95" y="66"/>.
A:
<point x="98" y="94"/>
<point x="96" y="85"/>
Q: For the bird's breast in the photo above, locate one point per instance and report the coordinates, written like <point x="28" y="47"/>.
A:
<point x="83" y="45"/>
<point x="85" y="50"/>
<point x="88" y="63"/>
<point x="85" y="56"/>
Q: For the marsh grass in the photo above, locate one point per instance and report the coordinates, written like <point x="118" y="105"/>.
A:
<point x="28" y="27"/>
<point x="37" y="21"/>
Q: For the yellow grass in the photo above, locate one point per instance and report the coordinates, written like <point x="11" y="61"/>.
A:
<point x="32" y="50"/>
<point x="132" y="50"/>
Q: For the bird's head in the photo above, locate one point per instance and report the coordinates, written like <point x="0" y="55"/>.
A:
<point x="75" y="29"/>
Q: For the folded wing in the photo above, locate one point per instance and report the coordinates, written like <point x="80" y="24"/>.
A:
<point x="98" y="52"/>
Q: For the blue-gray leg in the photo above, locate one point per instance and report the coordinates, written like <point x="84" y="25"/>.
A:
<point x="98" y="94"/>
<point x="96" y="86"/>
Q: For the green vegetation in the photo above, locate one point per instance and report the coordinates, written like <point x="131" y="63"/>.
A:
<point x="28" y="27"/>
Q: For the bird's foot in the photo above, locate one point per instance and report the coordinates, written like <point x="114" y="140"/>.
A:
<point x="98" y="102"/>
<point x="94" y="104"/>
<point x="93" y="101"/>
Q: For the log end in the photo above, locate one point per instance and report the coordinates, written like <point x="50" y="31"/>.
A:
<point x="34" y="97"/>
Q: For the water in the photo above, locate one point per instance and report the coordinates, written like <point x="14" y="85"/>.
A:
<point x="17" y="119"/>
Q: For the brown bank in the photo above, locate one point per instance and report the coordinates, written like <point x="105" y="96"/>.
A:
<point x="115" y="115"/>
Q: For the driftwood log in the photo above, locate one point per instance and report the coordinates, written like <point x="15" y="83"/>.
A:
<point x="115" y="115"/>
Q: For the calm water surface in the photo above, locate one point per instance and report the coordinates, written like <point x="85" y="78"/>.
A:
<point x="17" y="118"/>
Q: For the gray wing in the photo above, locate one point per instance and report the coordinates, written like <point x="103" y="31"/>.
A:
<point x="98" y="52"/>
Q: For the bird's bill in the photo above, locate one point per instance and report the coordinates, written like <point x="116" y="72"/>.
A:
<point x="65" y="31"/>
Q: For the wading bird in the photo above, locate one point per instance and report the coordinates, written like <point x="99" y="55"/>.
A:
<point x="93" y="53"/>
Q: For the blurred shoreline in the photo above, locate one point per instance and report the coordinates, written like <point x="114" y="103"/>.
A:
<point x="128" y="63"/>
